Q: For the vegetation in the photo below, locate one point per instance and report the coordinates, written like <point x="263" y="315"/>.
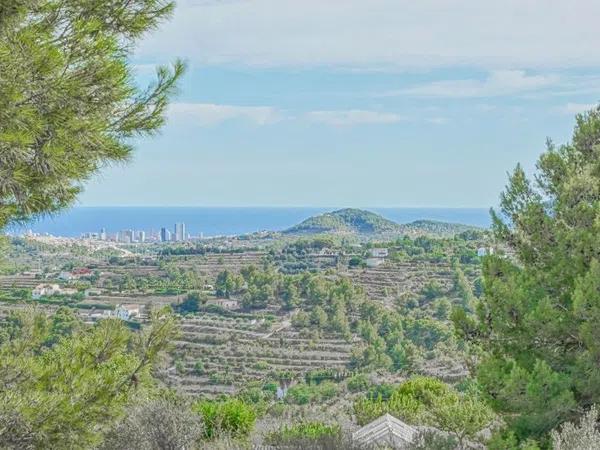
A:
<point x="303" y="433"/>
<point x="357" y="221"/>
<point x="578" y="437"/>
<point x="68" y="102"/>
<point x="537" y="323"/>
<point x="62" y="384"/>
<point x="346" y="220"/>
<point x="423" y="400"/>
<point x="231" y="417"/>
<point x="160" y="423"/>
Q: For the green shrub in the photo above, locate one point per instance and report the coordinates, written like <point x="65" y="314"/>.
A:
<point x="301" y="394"/>
<point x="427" y="401"/>
<point x="302" y="432"/>
<point x="327" y="390"/>
<point x="199" y="368"/>
<point x="271" y="387"/>
<point x="358" y="383"/>
<point x="261" y="365"/>
<point x="231" y="417"/>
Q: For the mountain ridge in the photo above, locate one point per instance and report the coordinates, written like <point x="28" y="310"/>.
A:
<point x="364" y="222"/>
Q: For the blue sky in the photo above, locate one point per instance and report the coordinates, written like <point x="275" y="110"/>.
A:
<point x="356" y="102"/>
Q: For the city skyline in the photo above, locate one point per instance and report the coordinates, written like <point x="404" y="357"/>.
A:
<point x="136" y="235"/>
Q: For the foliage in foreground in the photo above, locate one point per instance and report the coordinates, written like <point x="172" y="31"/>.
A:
<point x="428" y="401"/>
<point x="584" y="436"/>
<point x="303" y="432"/>
<point x="537" y="323"/>
<point x="68" y="100"/>
<point x="62" y="385"/>
<point x="164" y="423"/>
<point x="230" y="417"/>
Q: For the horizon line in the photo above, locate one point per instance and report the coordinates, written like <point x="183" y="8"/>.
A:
<point x="282" y="206"/>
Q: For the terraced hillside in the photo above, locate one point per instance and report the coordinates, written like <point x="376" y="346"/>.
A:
<point x="211" y="264"/>
<point x="395" y="278"/>
<point x="218" y="355"/>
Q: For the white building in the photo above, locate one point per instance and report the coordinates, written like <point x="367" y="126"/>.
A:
<point x="223" y="303"/>
<point x="125" y="236"/>
<point x="484" y="251"/>
<point x="180" y="233"/>
<point x="379" y="252"/>
<point x="67" y="276"/>
<point x="126" y="312"/>
<point x="388" y="432"/>
<point x="165" y="235"/>
<point x="45" y="290"/>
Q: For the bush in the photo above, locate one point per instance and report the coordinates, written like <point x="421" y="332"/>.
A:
<point x="426" y="401"/>
<point x="578" y="437"/>
<point x="155" y="425"/>
<point x="191" y="304"/>
<point x="434" y="440"/>
<point x="358" y="383"/>
<point x="199" y="368"/>
<point x="231" y="417"/>
<point x="301" y="394"/>
<point x="302" y="432"/>
<point x="327" y="390"/>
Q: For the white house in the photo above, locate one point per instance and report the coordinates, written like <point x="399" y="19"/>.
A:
<point x="224" y="303"/>
<point x="66" y="276"/>
<point x="45" y="290"/>
<point x="379" y="252"/>
<point x="126" y="312"/>
<point x="483" y="251"/>
<point x="388" y="432"/>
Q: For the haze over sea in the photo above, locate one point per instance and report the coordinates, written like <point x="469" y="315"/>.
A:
<point x="213" y="221"/>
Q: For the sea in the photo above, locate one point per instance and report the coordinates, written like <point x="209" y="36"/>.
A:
<point x="221" y="221"/>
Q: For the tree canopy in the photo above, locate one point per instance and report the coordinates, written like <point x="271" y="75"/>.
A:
<point x="62" y="386"/>
<point x="69" y="103"/>
<point x="537" y="322"/>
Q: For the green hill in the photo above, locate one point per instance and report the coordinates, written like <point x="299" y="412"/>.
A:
<point x="358" y="221"/>
<point x="347" y="220"/>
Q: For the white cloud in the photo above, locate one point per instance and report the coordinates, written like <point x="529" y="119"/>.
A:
<point x="576" y="108"/>
<point x="382" y="33"/>
<point x="499" y="82"/>
<point x="353" y="117"/>
<point x="207" y="114"/>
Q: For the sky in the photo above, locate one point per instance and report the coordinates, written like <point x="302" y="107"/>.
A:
<point x="357" y="102"/>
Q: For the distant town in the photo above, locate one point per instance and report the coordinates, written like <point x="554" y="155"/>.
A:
<point x="131" y="236"/>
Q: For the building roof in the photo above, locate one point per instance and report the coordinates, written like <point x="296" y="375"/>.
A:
<point x="386" y="430"/>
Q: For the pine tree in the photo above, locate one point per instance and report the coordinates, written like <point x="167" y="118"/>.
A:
<point x="68" y="101"/>
<point x="537" y="322"/>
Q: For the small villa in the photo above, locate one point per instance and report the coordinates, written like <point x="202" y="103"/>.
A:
<point x="484" y="251"/>
<point x="387" y="432"/>
<point x="126" y="312"/>
<point x="224" y="303"/>
<point x="379" y="252"/>
<point x="45" y="290"/>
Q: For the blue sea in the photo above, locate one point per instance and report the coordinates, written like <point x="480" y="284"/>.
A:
<point x="223" y="220"/>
